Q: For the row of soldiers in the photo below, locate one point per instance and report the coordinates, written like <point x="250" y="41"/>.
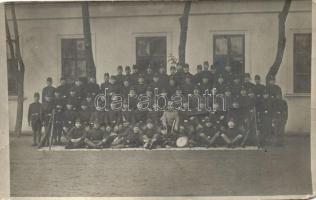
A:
<point x="249" y="108"/>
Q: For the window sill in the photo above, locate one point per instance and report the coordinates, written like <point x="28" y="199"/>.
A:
<point x="298" y="95"/>
<point x="15" y="98"/>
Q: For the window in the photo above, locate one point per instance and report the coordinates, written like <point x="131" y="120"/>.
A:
<point x="302" y="62"/>
<point x="12" y="74"/>
<point x="229" y="50"/>
<point x="73" y="58"/>
<point x="151" y="51"/>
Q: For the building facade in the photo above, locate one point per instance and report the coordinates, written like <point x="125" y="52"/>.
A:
<point x="241" y="33"/>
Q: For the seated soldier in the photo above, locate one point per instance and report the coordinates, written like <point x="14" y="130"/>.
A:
<point x="95" y="137"/>
<point x="84" y="115"/>
<point x="134" y="137"/>
<point x="186" y="129"/>
<point x="170" y="119"/>
<point x="151" y="135"/>
<point x="69" y="117"/>
<point x="232" y="135"/>
<point x="76" y="136"/>
<point x="208" y="134"/>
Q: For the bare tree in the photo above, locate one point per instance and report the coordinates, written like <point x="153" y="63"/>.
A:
<point x="184" y="19"/>
<point x="281" y="41"/>
<point x="19" y="68"/>
<point x="87" y="39"/>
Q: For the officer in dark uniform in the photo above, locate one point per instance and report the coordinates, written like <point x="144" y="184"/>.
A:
<point x="76" y="136"/>
<point x="236" y="86"/>
<point x="197" y="76"/>
<point x="228" y="99"/>
<point x="141" y="85"/>
<point x="80" y="89"/>
<point x="280" y="116"/>
<point x="63" y="88"/>
<point x="273" y="89"/>
<point x="128" y="75"/>
<point x="228" y="74"/>
<point x="69" y="117"/>
<point x="149" y="75"/>
<point x="173" y="72"/>
<point x="156" y="82"/>
<point x="186" y="70"/>
<point x="58" y="125"/>
<point x="46" y="118"/>
<point x="48" y="90"/>
<point x="247" y="83"/>
<point x="74" y="99"/>
<point x="258" y="88"/>
<point x="205" y="84"/>
<point x="179" y="75"/>
<point x="84" y="115"/>
<point x="34" y="118"/>
<point x="114" y="86"/>
<point x="163" y="77"/>
<point x="92" y="87"/>
<point x="90" y="102"/>
<point x="119" y="77"/>
<point x="265" y="117"/>
<point x="135" y="74"/>
<point x="125" y="88"/>
<point x="220" y="85"/>
<point x="59" y="99"/>
<point x="171" y="87"/>
<point x="95" y="136"/>
<point x="187" y="87"/>
<point x="105" y="84"/>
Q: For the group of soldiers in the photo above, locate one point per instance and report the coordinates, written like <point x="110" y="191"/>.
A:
<point x="253" y="114"/>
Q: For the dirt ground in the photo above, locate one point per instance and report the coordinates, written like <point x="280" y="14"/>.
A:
<point x="278" y="171"/>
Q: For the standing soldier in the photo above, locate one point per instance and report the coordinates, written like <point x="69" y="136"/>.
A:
<point x="273" y="89"/>
<point x="58" y="99"/>
<point x="58" y="125"/>
<point x="236" y="86"/>
<point x="220" y="85"/>
<point x="179" y="75"/>
<point x="265" y="113"/>
<point x="125" y="88"/>
<point x="258" y="88"/>
<point x="247" y="83"/>
<point x="114" y="86"/>
<point x="80" y="89"/>
<point x="171" y="87"/>
<point x="134" y="74"/>
<point x="74" y="99"/>
<point x="187" y="87"/>
<point x="119" y="77"/>
<point x="105" y="84"/>
<point x="205" y="84"/>
<point x="156" y="82"/>
<point x="173" y="72"/>
<point x="92" y="87"/>
<point x="141" y="85"/>
<point x="34" y="118"/>
<point x="197" y="76"/>
<point x="69" y="117"/>
<point x="46" y="118"/>
<point x="62" y="88"/>
<point x="149" y="75"/>
<point x="48" y="90"/>
<point x="186" y="71"/>
<point x="228" y="74"/>
<point x="128" y="75"/>
<point x="280" y="115"/>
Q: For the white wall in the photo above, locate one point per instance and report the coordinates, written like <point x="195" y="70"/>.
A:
<point x="115" y="25"/>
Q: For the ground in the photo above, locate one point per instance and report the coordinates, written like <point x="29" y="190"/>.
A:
<point x="277" y="171"/>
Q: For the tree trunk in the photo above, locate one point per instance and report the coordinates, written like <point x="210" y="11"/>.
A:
<point x="20" y="75"/>
<point x="281" y="41"/>
<point x="87" y="39"/>
<point x="183" y="31"/>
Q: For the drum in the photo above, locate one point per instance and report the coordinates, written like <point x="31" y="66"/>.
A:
<point x="182" y="141"/>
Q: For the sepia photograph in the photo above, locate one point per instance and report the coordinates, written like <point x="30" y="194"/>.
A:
<point x="158" y="98"/>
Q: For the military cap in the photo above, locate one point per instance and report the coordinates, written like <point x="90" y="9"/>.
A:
<point x="127" y="67"/>
<point x="257" y="77"/>
<point x="49" y="79"/>
<point x="205" y="63"/>
<point x="36" y="94"/>
<point x="120" y="67"/>
<point x="106" y="74"/>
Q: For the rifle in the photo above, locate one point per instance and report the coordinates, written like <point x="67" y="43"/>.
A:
<point x="52" y="129"/>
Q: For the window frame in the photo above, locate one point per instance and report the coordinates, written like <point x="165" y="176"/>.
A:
<point x="9" y="60"/>
<point x="295" y="74"/>
<point x="228" y="36"/>
<point x="165" y="37"/>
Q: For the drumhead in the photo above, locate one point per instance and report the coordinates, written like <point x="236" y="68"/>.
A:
<point x="182" y="141"/>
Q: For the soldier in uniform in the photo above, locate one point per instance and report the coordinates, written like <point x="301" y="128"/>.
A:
<point x="151" y="135"/>
<point x="69" y="117"/>
<point x="186" y="70"/>
<point x="247" y="83"/>
<point x="34" y="118"/>
<point x="63" y="88"/>
<point x="84" y="115"/>
<point x="76" y="136"/>
<point x="280" y="115"/>
<point x="205" y="84"/>
<point x="90" y="103"/>
<point x="273" y="89"/>
<point x="92" y="87"/>
<point x="59" y="99"/>
<point x="228" y="74"/>
<point x="163" y="77"/>
<point x="232" y="135"/>
<point x="46" y="118"/>
<point x="128" y="75"/>
<point x="74" y="99"/>
<point x="125" y="89"/>
<point x="95" y="136"/>
<point x="265" y="117"/>
<point x="187" y="87"/>
<point x="171" y="87"/>
<point x="120" y="77"/>
<point x="135" y="74"/>
<point x="105" y="84"/>
<point x="208" y="134"/>
<point x="58" y="125"/>
<point x="149" y="75"/>
<point x="236" y="86"/>
<point x="173" y="72"/>
<point x="156" y="82"/>
<point x="48" y="90"/>
<point x="134" y="137"/>
<point x="197" y="76"/>
<point x="114" y="86"/>
<point x="220" y="85"/>
<point x="80" y="89"/>
<point x="141" y="85"/>
<point x="179" y="75"/>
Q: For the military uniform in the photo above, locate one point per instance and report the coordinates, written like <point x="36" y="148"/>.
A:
<point x="92" y="88"/>
<point x="279" y="115"/>
<point x="46" y="116"/>
<point x="58" y="125"/>
<point x="34" y="119"/>
<point x="48" y="91"/>
<point x="76" y="137"/>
